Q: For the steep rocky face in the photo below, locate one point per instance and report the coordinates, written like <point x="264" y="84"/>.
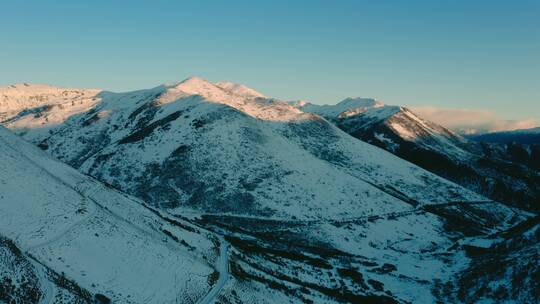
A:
<point x="507" y="173"/>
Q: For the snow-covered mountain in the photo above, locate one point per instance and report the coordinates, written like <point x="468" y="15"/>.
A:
<point x="238" y="89"/>
<point x="197" y="145"/>
<point x="41" y="107"/>
<point x="308" y="213"/>
<point x="66" y="238"/>
<point x="491" y="170"/>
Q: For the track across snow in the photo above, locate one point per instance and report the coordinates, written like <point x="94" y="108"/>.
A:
<point x="96" y="236"/>
<point x="222" y="266"/>
<point x="47" y="287"/>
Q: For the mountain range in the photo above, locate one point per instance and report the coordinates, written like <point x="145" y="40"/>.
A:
<point x="523" y="136"/>
<point x="267" y="201"/>
<point x="508" y="173"/>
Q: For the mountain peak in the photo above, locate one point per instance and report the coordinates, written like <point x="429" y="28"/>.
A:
<point x="348" y="106"/>
<point x="192" y="85"/>
<point x="217" y="91"/>
<point x="231" y="94"/>
<point x="239" y="89"/>
<point x="299" y="103"/>
<point x="359" y="102"/>
<point x="194" y="80"/>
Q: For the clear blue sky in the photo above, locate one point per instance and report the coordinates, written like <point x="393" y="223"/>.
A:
<point x="463" y="54"/>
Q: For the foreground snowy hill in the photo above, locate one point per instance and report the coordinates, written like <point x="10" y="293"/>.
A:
<point x="507" y="173"/>
<point x="307" y="213"/>
<point x="66" y="238"/>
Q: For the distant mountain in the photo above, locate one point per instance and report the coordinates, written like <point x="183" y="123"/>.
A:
<point x="41" y="107"/>
<point x="491" y="170"/>
<point x="305" y="212"/>
<point x="525" y="136"/>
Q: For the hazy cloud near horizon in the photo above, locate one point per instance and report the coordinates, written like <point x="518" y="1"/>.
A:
<point x="469" y="121"/>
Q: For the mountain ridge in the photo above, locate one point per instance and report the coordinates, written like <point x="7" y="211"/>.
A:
<point x="491" y="170"/>
<point x="309" y="212"/>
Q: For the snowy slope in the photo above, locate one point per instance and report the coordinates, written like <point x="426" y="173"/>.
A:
<point x="25" y="280"/>
<point x="355" y="115"/>
<point x="238" y="89"/>
<point x="25" y="96"/>
<point x="310" y="213"/>
<point x="518" y="250"/>
<point x="40" y="107"/>
<point x="506" y="173"/>
<point x="102" y="239"/>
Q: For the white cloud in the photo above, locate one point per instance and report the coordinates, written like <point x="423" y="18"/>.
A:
<point x="472" y="121"/>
